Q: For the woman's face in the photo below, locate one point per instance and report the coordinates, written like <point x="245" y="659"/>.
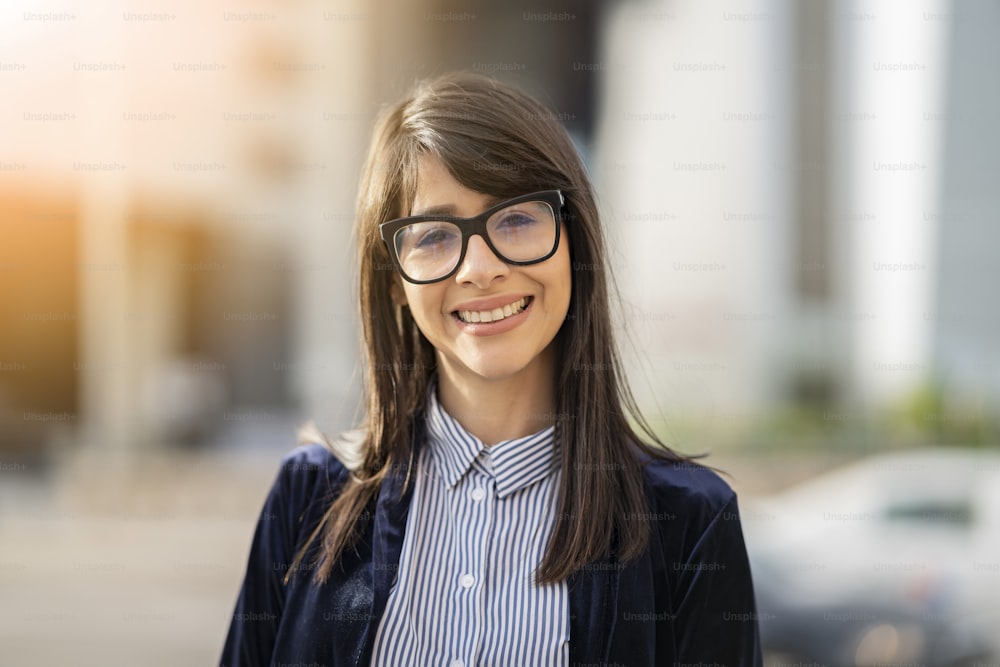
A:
<point x="516" y="345"/>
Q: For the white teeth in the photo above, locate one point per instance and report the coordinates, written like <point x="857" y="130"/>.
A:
<point x="493" y="315"/>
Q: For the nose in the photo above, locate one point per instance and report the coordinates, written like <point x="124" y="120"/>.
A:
<point x="480" y="266"/>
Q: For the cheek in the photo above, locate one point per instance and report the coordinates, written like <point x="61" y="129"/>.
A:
<point x="558" y="282"/>
<point x="563" y="278"/>
<point x="425" y="304"/>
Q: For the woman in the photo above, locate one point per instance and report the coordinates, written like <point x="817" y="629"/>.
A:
<point x="497" y="507"/>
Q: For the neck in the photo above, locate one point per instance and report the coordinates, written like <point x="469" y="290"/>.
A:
<point x="498" y="409"/>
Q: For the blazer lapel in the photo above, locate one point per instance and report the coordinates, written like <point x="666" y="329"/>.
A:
<point x="593" y="609"/>
<point x="391" y="511"/>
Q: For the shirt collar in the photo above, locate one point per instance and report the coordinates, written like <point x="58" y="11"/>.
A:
<point x="515" y="464"/>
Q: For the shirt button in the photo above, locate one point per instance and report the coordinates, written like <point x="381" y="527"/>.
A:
<point x="478" y="494"/>
<point x="467" y="581"/>
<point x="457" y="663"/>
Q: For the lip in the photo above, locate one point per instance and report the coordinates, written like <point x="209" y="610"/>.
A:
<point x="490" y="303"/>
<point x="491" y="328"/>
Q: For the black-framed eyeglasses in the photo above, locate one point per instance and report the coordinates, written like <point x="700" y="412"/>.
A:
<point x="521" y="231"/>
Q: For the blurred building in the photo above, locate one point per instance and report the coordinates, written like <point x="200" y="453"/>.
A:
<point x="799" y="197"/>
<point x="177" y="193"/>
<point x="965" y="319"/>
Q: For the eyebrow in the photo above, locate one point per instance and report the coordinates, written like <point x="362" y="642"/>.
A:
<point x="449" y="209"/>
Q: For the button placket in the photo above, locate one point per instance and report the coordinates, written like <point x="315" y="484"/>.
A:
<point x="478" y="540"/>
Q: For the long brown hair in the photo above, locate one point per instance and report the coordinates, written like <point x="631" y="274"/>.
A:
<point x="496" y="140"/>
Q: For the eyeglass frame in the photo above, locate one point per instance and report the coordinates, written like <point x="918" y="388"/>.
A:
<point x="475" y="226"/>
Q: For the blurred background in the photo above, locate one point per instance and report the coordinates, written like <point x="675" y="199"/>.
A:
<point x="802" y="200"/>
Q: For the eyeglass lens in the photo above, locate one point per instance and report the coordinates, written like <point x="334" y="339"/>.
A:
<point x="519" y="233"/>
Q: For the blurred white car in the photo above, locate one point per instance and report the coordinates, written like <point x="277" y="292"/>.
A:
<point x="891" y="560"/>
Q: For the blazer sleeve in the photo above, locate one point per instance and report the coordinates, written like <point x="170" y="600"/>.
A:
<point x="716" y="616"/>
<point x="261" y="601"/>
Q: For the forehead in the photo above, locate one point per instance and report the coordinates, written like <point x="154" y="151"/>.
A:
<point x="437" y="191"/>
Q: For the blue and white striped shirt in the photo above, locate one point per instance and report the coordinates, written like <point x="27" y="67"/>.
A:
<point x="479" y="524"/>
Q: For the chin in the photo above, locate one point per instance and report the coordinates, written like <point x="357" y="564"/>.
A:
<point x="496" y="371"/>
<point x="494" y="367"/>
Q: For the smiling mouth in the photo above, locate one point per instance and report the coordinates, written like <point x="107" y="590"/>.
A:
<point x="495" y="315"/>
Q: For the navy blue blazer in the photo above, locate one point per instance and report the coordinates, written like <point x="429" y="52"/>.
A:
<point x="688" y="600"/>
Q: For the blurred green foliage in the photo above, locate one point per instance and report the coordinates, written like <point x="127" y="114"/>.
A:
<point x="926" y="417"/>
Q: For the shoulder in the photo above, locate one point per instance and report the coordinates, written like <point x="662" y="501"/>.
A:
<point x="308" y="461"/>
<point x="347" y="448"/>
<point x="313" y="471"/>
<point x="687" y="491"/>
<point x="693" y="514"/>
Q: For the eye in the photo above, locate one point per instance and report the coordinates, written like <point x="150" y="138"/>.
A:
<point x="434" y="236"/>
<point x="516" y="219"/>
